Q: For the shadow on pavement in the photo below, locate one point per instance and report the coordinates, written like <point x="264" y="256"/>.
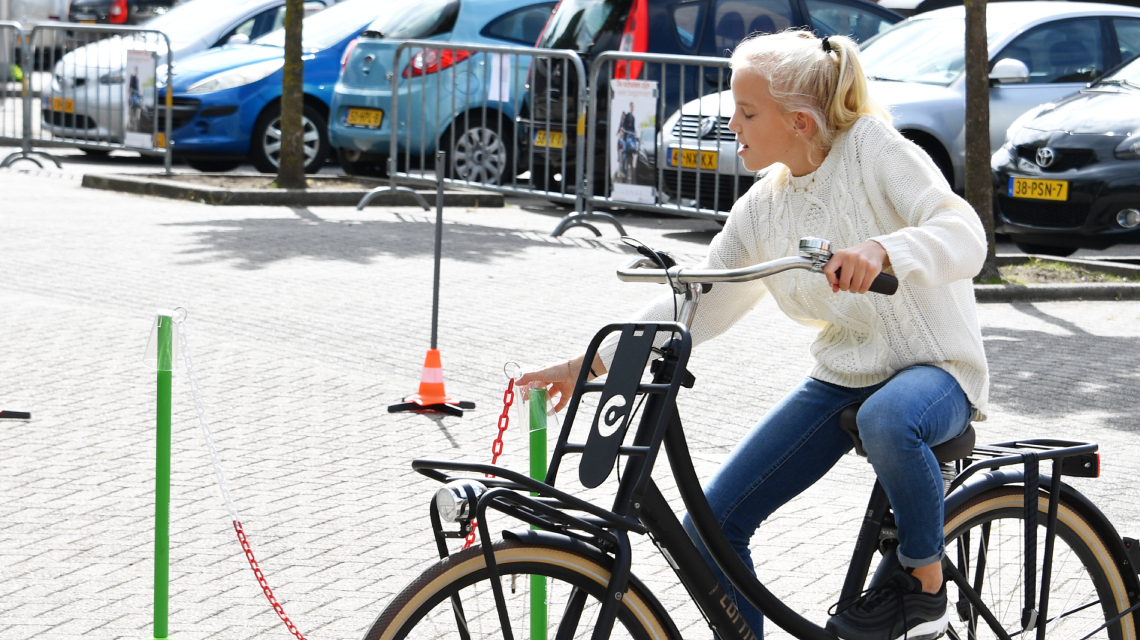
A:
<point x="1095" y="373"/>
<point x="258" y="242"/>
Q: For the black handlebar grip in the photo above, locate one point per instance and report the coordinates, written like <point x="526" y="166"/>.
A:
<point x="883" y="283"/>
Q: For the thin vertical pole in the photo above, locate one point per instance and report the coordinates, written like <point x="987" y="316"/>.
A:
<point x="440" y="158"/>
<point x="162" y="479"/>
<point x="538" y="625"/>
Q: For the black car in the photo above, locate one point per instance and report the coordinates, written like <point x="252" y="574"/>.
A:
<point x="117" y="11"/>
<point x="1068" y="176"/>
<point x="687" y="27"/>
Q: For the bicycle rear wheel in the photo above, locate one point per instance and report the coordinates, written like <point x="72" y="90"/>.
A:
<point x="425" y="609"/>
<point x="985" y="540"/>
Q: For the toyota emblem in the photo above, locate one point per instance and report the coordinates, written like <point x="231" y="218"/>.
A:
<point x="1046" y="157"/>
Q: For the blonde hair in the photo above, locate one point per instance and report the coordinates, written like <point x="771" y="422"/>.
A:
<point x="829" y="86"/>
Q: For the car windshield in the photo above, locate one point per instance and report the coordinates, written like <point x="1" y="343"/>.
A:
<point x="328" y="27"/>
<point x="189" y="21"/>
<point x="580" y="24"/>
<point x="928" y="51"/>
<point x="421" y="19"/>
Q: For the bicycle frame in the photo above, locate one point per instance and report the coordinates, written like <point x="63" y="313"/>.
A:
<point x="639" y="507"/>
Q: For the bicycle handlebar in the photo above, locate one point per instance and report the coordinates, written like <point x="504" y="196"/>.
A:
<point x="814" y="254"/>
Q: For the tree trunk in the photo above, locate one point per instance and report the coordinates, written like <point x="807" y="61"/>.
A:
<point x="291" y="169"/>
<point x="979" y="180"/>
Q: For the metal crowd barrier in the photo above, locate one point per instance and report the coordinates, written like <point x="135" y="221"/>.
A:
<point x="692" y="168"/>
<point x="15" y="122"/>
<point x="473" y="102"/>
<point x="104" y="89"/>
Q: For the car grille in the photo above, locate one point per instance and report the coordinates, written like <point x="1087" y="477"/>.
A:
<point x="690" y="127"/>
<point x="69" y="120"/>
<point x="182" y="111"/>
<point x="1066" y="158"/>
<point x="1043" y="213"/>
<point x="712" y="185"/>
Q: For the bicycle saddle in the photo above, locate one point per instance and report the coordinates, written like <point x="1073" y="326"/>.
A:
<point x="949" y="451"/>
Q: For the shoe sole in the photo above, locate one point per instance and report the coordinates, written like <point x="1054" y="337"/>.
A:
<point x="928" y="630"/>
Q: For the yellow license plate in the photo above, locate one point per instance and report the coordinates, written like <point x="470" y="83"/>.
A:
<point x="552" y="139"/>
<point x="1038" y="189"/>
<point x="688" y="159"/>
<point x="66" y="106"/>
<point x="364" y="117"/>
<point x="87" y="22"/>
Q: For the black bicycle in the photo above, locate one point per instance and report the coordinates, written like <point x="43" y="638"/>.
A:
<point x="1026" y="554"/>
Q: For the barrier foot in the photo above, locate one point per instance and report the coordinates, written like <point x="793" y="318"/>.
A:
<point x="30" y="157"/>
<point x="15" y="415"/>
<point x="371" y="194"/>
<point x="579" y="219"/>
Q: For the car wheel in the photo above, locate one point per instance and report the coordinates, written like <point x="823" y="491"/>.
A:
<point x="480" y="152"/>
<point x="355" y="163"/>
<point x="213" y="165"/>
<point x="265" y="146"/>
<point x="1045" y="250"/>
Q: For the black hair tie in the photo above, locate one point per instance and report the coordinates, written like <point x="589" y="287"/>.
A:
<point x="826" y="45"/>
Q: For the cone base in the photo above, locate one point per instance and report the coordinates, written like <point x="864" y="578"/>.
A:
<point x="420" y="404"/>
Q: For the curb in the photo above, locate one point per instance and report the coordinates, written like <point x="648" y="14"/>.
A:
<point x="171" y="187"/>
<point x="1055" y="292"/>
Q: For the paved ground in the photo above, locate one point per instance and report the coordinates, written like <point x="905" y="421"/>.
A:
<point x="305" y="323"/>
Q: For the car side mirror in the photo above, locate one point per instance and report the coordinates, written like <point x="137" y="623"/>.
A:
<point x="1009" y="71"/>
<point x="238" y="38"/>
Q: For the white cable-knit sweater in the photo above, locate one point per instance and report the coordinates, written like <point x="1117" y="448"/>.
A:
<point x="874" y="184"/>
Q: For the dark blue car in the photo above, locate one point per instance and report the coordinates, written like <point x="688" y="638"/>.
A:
<point x="227" y="101"/>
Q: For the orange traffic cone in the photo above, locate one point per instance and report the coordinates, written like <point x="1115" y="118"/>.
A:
<point x="432" y="398"/>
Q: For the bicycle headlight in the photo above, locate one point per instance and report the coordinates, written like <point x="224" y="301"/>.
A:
<point x="239" y="77"/>
<point x="453" y="500"/>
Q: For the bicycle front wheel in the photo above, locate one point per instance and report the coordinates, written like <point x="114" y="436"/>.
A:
<point x="453" y="598"/>
<point x="985" y="540"/>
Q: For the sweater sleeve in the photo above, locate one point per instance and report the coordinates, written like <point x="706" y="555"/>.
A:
<point x="942" y="239"/>
<point x="726" y="303"/>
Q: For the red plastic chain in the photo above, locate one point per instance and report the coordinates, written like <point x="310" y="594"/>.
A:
<point x="265" y="583"/>
<point x="497" y="446"/>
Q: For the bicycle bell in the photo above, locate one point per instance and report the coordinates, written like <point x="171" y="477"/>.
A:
<point x="817" y="250"/>
<point x="453" y="500"/>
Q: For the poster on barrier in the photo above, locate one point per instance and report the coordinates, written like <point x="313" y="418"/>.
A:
<point x="633" y="140"/>
<point x="139" y="99"/>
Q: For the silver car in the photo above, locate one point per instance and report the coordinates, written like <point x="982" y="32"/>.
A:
<point x="1039" y="51"/>
<point x="87" y="92"/>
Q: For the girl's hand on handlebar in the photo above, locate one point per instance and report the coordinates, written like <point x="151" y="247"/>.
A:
<point x="855" y="269"/>
<point x="558" y="379"/>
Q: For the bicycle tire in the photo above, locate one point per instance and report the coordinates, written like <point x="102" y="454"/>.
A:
<point x="423" y="609"/>
<point x="1084" y="571"/>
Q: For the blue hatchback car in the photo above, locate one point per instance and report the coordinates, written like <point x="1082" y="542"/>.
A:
<point x="230" y="98"/>
<point x="479" y="126"/>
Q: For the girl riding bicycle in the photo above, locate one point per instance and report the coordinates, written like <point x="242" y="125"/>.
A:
<point x="915" y="360"/>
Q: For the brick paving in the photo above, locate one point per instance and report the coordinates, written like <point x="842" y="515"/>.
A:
<point x="305" y="323"/>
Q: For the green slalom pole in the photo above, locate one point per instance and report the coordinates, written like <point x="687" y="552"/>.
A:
<point x="162" y="478"/>
<point x="538" y="472"/>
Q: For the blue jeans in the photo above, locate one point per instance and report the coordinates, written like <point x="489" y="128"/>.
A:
<point x="800" y="439"/>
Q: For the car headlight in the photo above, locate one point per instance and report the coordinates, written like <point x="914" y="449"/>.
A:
<point x="1026" y="117"/>
<point x="453" y="500"/>
<point x="237" y="77"/>
<point x="114" y="77"/>
<point x="1129" y="149"/>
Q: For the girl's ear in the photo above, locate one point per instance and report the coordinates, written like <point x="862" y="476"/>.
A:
<point x="802" y="124"/>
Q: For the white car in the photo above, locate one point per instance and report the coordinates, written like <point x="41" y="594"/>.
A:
<point x="1039" y="51"/>
<point x="86" y="98"/>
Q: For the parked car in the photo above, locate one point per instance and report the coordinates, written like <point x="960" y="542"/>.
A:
<point x="90" y="79"/>
<point x="478" y="126"/>
<point x="693" y="27"/>
<point x="231" y="96"/>
<point x="117" y="11"/>
<point x="1039" y="51"/>
<point x="1069" y="174"/>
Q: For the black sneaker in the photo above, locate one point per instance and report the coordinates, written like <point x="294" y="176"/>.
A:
<point x="895" y="610"/>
